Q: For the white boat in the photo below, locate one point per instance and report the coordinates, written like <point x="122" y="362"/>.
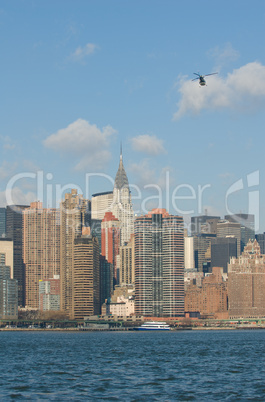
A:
<point x="154" y="326"/>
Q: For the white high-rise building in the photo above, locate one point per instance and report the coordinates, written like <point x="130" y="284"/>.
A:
<point x="100" y="204"/>
<point x="189" y="253"/>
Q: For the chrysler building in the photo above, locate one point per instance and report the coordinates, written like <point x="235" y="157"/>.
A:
<point x="122" y="204"/>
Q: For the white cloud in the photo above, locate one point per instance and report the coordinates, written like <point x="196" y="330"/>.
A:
<point x="16" y="197"/>
<point x="81" y="52"/>
<point x="85" y="141"/>
<point x="223" y="56"/>
<point x="144" y="174"/>
<point x="241" y="90"/>
<point x="7" y="169"/>
<point x="148" y="144"/>
<point x="7" y="142"/>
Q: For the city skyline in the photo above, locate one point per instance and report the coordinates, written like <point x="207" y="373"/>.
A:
<point x="80" y="80"/>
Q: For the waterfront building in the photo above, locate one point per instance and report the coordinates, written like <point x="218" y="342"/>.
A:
<point x="100" y="204"/>
<point x="49" y="294"/>
<point x="122" y="308"/>
<point x="226" y="228"/>
<point x="127" y="268"/>
<point x="121" y="303"/>
<point x="247" y="227"/>
<point x="41" y="248"/>
<point x="8" y="295"/>
<point x="222" y="249"/>
<point x="74" y="216"/>
<point x="2" y="222"/>
<point x="14" y="224"/>
<point x="110" y="242"/>
<point x="159" y="264"/>
<point x="86" y="277"/>
<point x="122" y="204"/>
<point x="246" y="283"/>
<point x="209" y="299"/>
<point x="7" y="254"/>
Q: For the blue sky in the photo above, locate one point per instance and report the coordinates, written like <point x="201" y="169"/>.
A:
<point x="80" y="77"/>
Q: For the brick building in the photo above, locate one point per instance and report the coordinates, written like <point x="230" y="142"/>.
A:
<point x="246" y="283"/>
<point x="110" y="242"/>
<point x="210" y="299"/>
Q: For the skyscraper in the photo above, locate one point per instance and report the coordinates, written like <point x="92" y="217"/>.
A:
<point x="100" y="204"/>
<point x="110" y="242"/>
<point x="8" y="294"/>
<point x="2" y="222"/>
<point x="202" y="251"/>
<point x="189" y="252"/>
<point x="222" y="249"/>
<point x="14" y="232"/>
<point x="127" y="268"/>
<point x="86" y="277"/>
<point x="106" y="279"/>
<point x="74" y="216"/>
<point x="7" y="254"/>
<point x="261" y="240"/>
<point x="122" y="203"/>
<point x="247" y="226"/>
<point x="159" y="264"/>
<point x="226" y="228"/>
<point x="246" y="283"/>
<point x="205" y="222"/>
<point x="41" y="248"/>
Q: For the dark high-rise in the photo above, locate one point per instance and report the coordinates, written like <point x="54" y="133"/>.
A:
<point x="2" y="222"/>
<point x="14" y="230"/>
<point x="261" y="240"/>
<point x="222" y="249"/>
<point x="247" y="227"/>
<point x="203" y="223"/>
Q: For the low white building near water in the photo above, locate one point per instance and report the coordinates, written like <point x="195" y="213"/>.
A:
<point x="122" y="307"/>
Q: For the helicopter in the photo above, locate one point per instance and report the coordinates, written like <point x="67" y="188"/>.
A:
<point x="201" y="79"/>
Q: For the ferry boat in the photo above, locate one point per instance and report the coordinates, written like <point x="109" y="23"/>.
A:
<point x="154" y="326"/>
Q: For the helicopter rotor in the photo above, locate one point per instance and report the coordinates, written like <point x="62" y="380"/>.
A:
<point x="201" y="77"/>
<point x="206" y="75"/>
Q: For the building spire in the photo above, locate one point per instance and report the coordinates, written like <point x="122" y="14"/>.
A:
<point x="121" y="179"/>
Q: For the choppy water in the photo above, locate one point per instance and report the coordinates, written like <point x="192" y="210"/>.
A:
<point x="133" y="366"/>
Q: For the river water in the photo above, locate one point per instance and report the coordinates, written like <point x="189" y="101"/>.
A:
<point x="133" y="366"/>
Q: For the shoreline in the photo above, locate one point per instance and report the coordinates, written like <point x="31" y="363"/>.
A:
<point x="127" y="329"/>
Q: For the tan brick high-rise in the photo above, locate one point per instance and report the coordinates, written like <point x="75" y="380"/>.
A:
<point x="209" y="299"/>
<point x="74" y="215"/>
<point x="86" y="277"/>
<point x="246" y="283"/>
<point x="41" y="248"/>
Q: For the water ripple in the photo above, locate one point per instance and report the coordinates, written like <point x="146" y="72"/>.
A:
<point x="132" y="366"/>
